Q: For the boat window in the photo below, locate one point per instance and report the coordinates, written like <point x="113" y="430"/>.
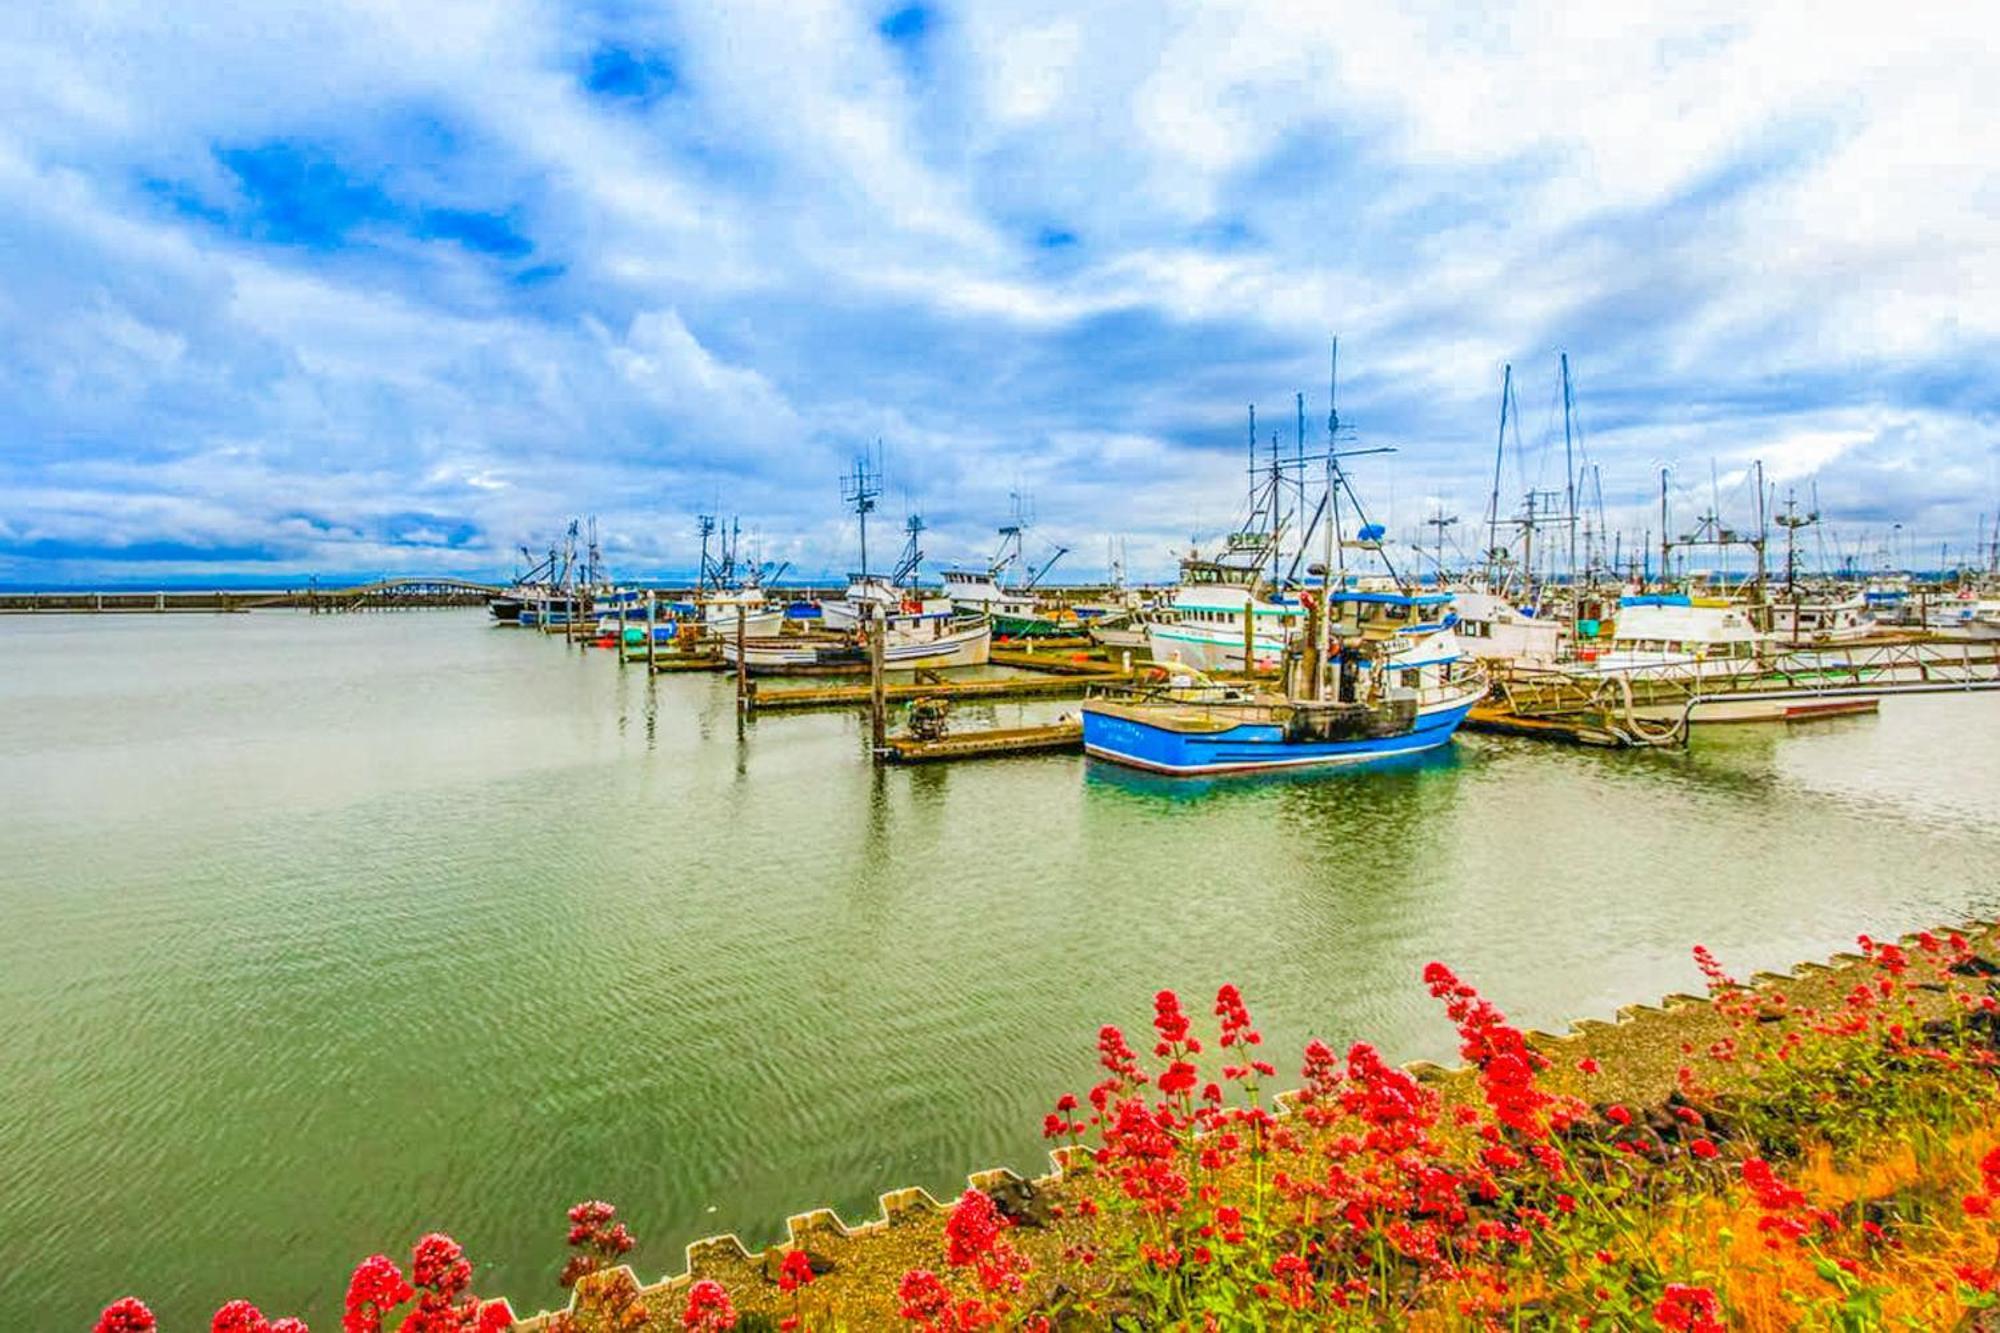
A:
<point x="1412" y="678"/>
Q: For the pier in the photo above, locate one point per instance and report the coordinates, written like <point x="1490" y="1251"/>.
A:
<point x="993" y="743"/>
<point x="395" y="594"/>
<point x="1067" y="685"/>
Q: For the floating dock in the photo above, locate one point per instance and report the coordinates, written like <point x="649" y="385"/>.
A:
<point x="759" y="700"/>
<point x="1056" y="738"/>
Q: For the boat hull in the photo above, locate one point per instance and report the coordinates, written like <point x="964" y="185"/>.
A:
<point x="791" y="656"/>
<point x="1207" y="650"/>
<point x="1116" y="735"/>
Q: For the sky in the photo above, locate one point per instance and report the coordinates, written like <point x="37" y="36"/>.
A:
<point x="380" y="287"/>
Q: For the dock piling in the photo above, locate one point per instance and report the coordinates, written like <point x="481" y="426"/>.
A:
<point x="878" y="693"/>
<point x="742" y="664"/>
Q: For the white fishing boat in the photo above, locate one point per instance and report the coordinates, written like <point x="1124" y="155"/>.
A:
<point x="1801" y="618"/>
<point x="1676" y="636"/>
<point x="1968" y="617"/>
<point x="720" y="611"/>
<point x="1220" y="608"/>
<point x="910" y="643"/>
<point x="1015" y="611"/>
<point x="1492" y="629"/>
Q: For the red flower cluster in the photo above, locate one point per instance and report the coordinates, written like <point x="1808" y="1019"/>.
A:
<point x="595" y="1231"/>
<point x="972" y="1240"/>
<point x="1785" y="1212"/>
<point x="1981" y="1204"/>
<point x="709" y="1309"/>
<point x="243" y="1317"/>
<point x="376" y="1288"/>
<point x="929" y="1304"/>
<point x="795" y="1272"/>
<point x="1507" y="1065"/>
<point x="128" y="1315"/>
<point x="1686" y="1309"/>
<point x="441" y="1275"/>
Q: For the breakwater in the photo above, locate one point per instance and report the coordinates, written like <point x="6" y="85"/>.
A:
<point x="1674" y="1056"/>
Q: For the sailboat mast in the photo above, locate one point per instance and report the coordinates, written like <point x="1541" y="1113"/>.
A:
<point x="1569" y="473"/>
<point x="1493" y="500"/>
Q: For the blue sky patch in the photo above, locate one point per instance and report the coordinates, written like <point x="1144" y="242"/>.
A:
<point x="629" y="74"/>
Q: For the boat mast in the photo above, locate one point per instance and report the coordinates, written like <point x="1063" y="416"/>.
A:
<point x="1493" y="500"/>
<point x="862" y="488"/>
<point x="1666" y="542"/>
<point x="1329" y="538"/>
<point x="1569" y="480"/>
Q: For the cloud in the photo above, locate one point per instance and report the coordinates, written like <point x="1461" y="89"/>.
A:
<point x="409" y="287"/>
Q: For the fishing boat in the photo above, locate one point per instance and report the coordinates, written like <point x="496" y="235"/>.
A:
<point x="1219" y="609"/>
<point x="1493" y="629"/>
<point x="528" y="600"/>
<point x="909" y="643"/>
<point x="1373" y="672"/>
<point x="1677" y="636"/>
<point x="1821" y="617"/>
<point x="1121" y="632"/>
<point x="892" y="595"/>
<point x="721" y="609"/>
<point x="1395" y="683"/>
<point x="1015" y="611"/>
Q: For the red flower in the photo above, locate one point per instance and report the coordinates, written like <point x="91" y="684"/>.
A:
<point x="1172" y="1025"/>
<point x="128" y="1315"/>
<point x="239" y="1317"/>
<point x="1236" y="1029"/>
<point x="924" y="1295"/>
<point x="1618" y="1115"/>
<point x="1771" y="1193"/>
<point x="438" y="1262"/>
<point x="376" y="1288"/>
<point x="708" y="1308"/>
<point x="796" y="1272"/>
<point x="1588" y="1065"/>
<point x="1703" y="1149"/>
<point x="494" y="1317"/>
<point x="1686" y="1309"/>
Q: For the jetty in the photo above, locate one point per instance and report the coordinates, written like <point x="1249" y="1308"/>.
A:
<point x="1069" y="684"/>
<point x="394" y="594"/>
<point x="991" y="743"/>
<point x="1657" y="706"/>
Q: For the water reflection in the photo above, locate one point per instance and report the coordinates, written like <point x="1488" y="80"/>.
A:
<point x="1103" y="775"/>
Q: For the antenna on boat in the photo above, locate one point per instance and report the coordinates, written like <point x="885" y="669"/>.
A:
<point x="861" y="488"/>
<point x="1440" y="521"/>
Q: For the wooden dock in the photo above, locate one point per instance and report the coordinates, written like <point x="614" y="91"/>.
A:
<point x="1074" y="663"/>
<point x="1497" y="720"/>
<point x="1051" y="686"/>
<point x="1056" y="738"/>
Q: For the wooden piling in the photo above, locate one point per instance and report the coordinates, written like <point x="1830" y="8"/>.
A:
<point x="742" y="661"/>
<point x="652" y="630"/>
<point x="1249" y="637"/>
<point x="878" y="693"/>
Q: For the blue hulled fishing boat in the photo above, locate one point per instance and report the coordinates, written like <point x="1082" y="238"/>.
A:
<point x="1374" y="672"/>
<point x="1395" y="682"/>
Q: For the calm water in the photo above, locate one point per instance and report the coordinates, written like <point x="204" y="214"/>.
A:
<point x="322" y="932"/>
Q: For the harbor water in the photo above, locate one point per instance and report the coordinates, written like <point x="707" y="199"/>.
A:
<point x="322" y="932"/>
